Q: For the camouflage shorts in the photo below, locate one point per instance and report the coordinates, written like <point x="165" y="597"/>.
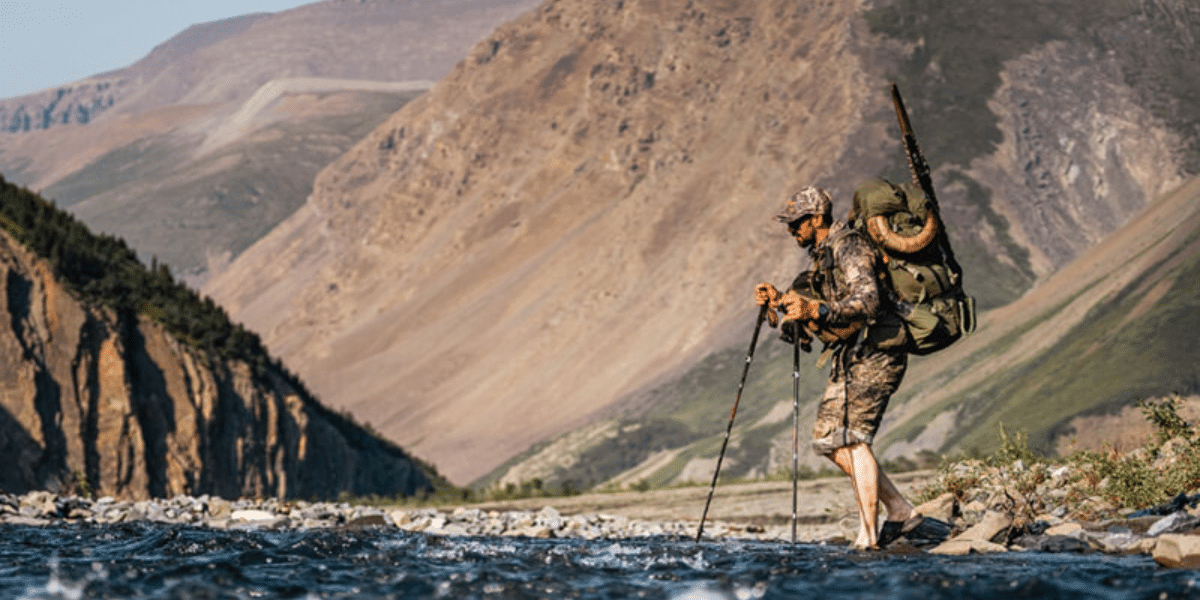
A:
<point x="858" y="392"/>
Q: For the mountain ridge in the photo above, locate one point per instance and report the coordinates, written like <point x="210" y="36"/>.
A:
<point x="106" y="393"/>
<point x="479" y="286"/>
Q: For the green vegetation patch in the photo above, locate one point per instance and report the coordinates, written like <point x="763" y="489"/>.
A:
<point x="1086" y="485"/>
<point x="1109" y="360"/>
<point x="101" y="270"/>
<point x="959" y="49"/>
<point x="178" y="207"/>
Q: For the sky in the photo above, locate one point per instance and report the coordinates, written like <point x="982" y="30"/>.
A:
<point x="45" y="43"/>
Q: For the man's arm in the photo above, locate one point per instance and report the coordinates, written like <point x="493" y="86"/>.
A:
<point x="856" y="259"/>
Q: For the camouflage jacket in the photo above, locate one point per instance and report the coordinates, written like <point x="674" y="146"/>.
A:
<point x="845" y="276"/>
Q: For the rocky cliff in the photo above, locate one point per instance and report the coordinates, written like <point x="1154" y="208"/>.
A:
<point x="113" y="404"/>
<point x="578" y="211"/>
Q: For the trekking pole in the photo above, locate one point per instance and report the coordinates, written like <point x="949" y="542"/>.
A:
<point x="795" y="428"/>
<point x="762" y="316"/>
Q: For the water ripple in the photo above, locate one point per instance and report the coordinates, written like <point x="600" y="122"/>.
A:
<point x="143" y="560"/>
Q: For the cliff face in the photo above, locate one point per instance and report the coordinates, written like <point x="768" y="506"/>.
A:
<point x="115" y="403"/>
<point x="582" y="207"/>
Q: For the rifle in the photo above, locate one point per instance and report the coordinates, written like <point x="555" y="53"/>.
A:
<point x="921" y="177"/>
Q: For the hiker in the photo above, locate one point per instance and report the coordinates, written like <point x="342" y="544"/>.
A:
<point x="863" y="375"/>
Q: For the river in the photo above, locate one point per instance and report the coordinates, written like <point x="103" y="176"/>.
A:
<point x="152" y="560"/>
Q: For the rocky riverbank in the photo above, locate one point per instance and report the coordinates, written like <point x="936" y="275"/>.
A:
<point x="43" y="508"/>
<point x="1170" y="534"/>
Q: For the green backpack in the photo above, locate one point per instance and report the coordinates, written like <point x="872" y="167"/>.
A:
<point x="933" y="311"/>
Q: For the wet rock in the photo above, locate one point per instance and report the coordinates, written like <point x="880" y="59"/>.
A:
<point x="28" y="521"/>
<point x="257" y="518"/>
<point x="961" y="547"/>
<point x="1116" y="541"/>
<point x="549" y="517"/>
<point x="1174" y="523"/>
<point x="540" y="532"/>
<point x="1062" y="544"/>
<point x="367" y="520"/>
<point x="1069" y="528"/>
<point x="38" y="504"/>
<point x="942" y="507"/>
<point x="1178" y="551"/>
<point x="219" y="508"/>
<point x="993" y="525"/>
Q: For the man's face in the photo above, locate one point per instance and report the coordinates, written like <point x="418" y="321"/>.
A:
<point x="804" y="230"/>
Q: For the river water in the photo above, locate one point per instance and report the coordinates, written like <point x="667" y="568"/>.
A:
<point x="148" y="560"/>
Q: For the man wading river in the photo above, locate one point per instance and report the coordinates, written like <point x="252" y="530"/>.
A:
<point x="844" y="297"/>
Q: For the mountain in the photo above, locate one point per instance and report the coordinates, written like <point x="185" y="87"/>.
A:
<point x="196" y="150"/>
<point x="559" y="240"/>
<point x="116" y="380"/>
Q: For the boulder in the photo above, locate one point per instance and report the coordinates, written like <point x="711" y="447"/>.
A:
<point x="1173" y="523"/>
<point x="961" y="547"/>
<point x="1178" y="551"/>
<point x="367" y="520"/>
<point x="941" y="507"/>
<point x="1070" y="528"/>
<point x="988" y="528"/>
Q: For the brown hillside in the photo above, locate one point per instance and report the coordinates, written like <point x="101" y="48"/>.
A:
<point x="194" y="152"/>
<point x="117" y="404"/>
<point x="583" y="206"/>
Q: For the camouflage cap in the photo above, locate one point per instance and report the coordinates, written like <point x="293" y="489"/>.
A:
<point x="810" y="200"/>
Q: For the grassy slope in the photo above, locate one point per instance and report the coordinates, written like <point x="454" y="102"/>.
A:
<point x="176" y="207"/>
<point x="1105" y="363"/>
<point x="1136" y="340"/>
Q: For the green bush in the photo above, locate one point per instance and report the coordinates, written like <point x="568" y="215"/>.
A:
<point x="1096" y="483"/>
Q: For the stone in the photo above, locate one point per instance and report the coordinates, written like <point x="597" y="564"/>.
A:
<point x="219" y="508"/>
<point x="419" y="524"/>
<point x="1178" y="551"/>
<point x="549" y="517"/>
<point x="1068" y="528"/>
<point x="1145" y="546"/>
<point x="539" y="532"/>
<point x="369" y="520"/>
<point x="974" y="506"/>
<point x="450" y="529"/>
<point x="1116" y="542"/>
<point x="251" y="515"/>
<point x="988" y="528"/>
<point x="39" y="504"/>
<point x="960" y="547"/>
<point x="1173" y="523"/>
<point x="941" y="507"/>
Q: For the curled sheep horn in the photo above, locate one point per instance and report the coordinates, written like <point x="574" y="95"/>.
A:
<point x="878" y="227"/>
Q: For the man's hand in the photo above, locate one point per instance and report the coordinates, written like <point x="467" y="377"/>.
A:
<point x="799" y="308"/>
<point x="766" y="295"/>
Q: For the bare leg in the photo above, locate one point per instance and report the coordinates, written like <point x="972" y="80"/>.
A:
<point x="897" y="506"/>
<point x="858" y="462"/>
<point x="871" y="486"/>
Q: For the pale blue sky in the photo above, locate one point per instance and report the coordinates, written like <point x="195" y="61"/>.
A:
<point x="44" y="43"/>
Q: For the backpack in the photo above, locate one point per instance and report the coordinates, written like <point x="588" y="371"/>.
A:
<point x="926" y="284"/>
